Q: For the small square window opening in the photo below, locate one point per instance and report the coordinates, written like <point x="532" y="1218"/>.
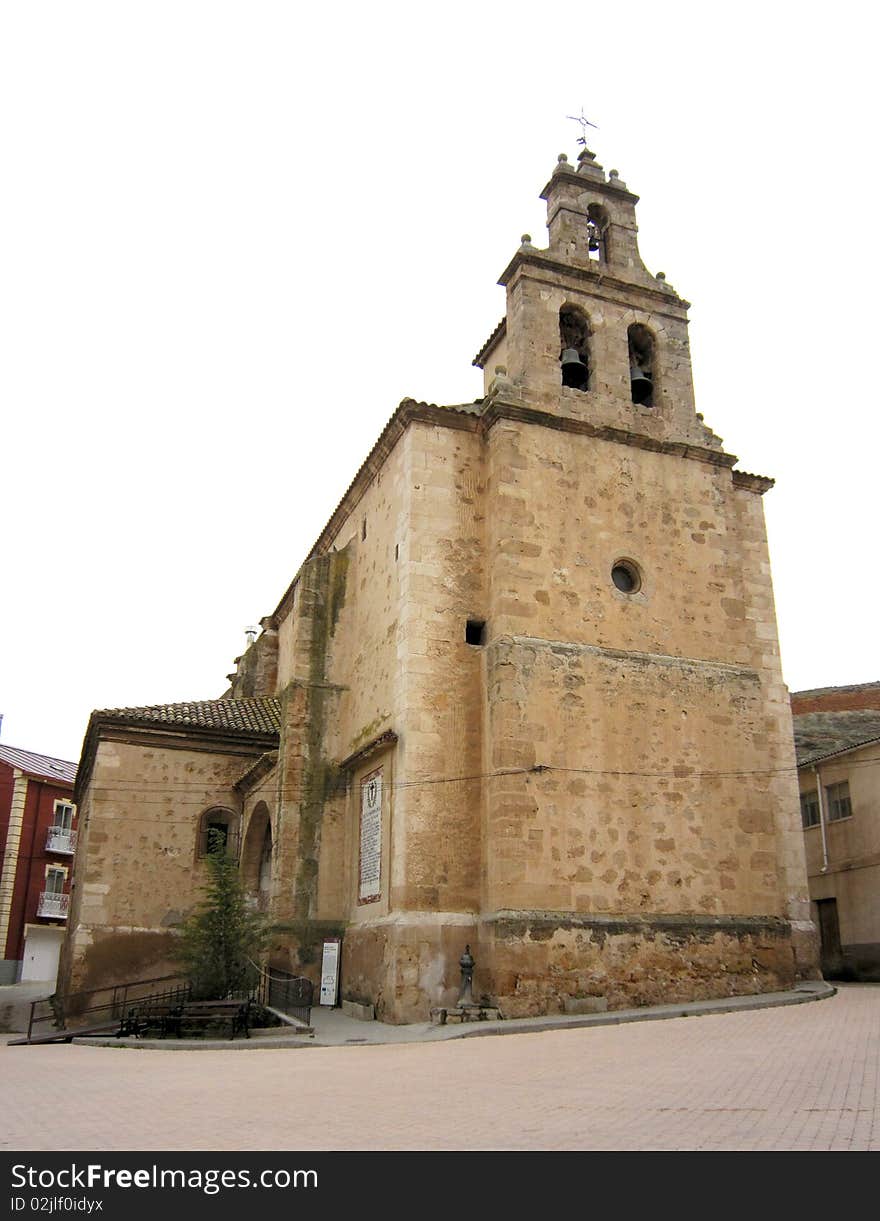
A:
<point x="475" y="631"/>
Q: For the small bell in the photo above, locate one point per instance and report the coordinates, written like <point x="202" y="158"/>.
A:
<point x="641" y="386"/>
<point x="574" y="372"/>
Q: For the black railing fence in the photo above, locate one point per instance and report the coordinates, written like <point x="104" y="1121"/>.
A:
<point x="291" y="994"/>
<point x="136" y="1003"/>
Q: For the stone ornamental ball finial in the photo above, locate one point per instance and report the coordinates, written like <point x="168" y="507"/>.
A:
<point x="613" y="174"/>
<point x="661" y="275"/>
<point x="562" y="158"/>
<point x="526" y="239"/>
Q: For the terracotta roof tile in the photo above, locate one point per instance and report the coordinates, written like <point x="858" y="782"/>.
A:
<point x="500" y="329"/>
<point x="820" y="734"/>
<point x="251" y="715"/>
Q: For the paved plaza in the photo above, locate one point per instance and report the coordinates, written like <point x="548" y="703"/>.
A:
<point x="800" y="1077"/>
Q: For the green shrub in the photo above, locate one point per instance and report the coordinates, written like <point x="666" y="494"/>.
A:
<point x="221" y="939"/>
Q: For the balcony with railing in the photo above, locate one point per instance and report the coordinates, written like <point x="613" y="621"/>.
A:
<point x="61" y="839"/>
<point x="53" y="905"/>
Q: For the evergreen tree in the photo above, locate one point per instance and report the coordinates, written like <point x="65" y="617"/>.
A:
<point x="221" y="938"/>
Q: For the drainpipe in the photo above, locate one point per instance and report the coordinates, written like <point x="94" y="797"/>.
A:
<point x="821" y="799"/>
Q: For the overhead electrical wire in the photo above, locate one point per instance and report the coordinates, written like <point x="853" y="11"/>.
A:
<point x="179" y="794"/>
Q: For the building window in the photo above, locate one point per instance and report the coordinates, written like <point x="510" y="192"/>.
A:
<point x="810" y="809"/>
<point x="53" y="903"/>
<point x="218" y="832"/>
<point x="55" y="879"/>
<point x="62" y="819"/>
<point x="839" y="805"/>
<point x="60" y="836"/>
<point x="626" y="577"/>
<point x="266" y="859"/>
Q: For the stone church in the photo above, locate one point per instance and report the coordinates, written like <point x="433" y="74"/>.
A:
<point x="524" y="693"/>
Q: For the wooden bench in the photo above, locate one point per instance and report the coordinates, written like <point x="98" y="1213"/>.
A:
<point x="173" y="1019"/>
<point x="141" y="1020"/>
<point x="200" y="1013"/>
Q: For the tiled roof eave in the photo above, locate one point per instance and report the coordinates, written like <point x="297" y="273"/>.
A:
<point x="236" y="716"/>
<point x="258" y="771"/>
<point x="184" y="727"/>
<point x="811" y="760"/>
<point x="500" y="330"/>
<point x="170" y="721"/>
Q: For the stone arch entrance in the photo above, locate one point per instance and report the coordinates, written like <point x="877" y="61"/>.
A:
<point x="256" y="856"/>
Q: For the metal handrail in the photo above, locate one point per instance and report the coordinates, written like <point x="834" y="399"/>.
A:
<point x="60" y="1006"/>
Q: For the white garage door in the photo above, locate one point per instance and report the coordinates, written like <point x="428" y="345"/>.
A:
<point x="41" y="949"/>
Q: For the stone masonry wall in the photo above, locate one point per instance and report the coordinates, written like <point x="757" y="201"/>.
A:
<point x="397" y="658"/>
<point x="137" y="870"/>
<point x="436" y="828"/>
<point x="663" y="709"/>
<point x="520" y="529"/>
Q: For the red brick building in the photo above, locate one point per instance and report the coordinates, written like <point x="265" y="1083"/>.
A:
<point x="38" y="840"/>
<point x="853" y="698"/>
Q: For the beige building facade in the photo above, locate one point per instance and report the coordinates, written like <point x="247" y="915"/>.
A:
<point x="837" y="734"/>
<point x="526" y="689"/>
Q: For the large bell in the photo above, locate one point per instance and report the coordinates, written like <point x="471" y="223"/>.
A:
<point x="641" y="385"/>
<point x="574" y="372"/>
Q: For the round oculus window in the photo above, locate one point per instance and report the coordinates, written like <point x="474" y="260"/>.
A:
<point x="626" y="577"/>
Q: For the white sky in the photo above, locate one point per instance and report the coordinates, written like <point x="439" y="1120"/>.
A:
<point x="235" y="235"/>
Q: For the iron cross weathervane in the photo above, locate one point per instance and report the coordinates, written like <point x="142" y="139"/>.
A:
<point x="585" y="123"/>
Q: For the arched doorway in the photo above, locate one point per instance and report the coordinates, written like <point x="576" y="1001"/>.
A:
<point x="256" y="857"/>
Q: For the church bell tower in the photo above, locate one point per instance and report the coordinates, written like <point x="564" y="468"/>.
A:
<point x="652" y="849"/>
<point x="589" y="332"/>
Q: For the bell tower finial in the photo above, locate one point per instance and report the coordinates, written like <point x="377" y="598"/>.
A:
<point x="584" y="124"/>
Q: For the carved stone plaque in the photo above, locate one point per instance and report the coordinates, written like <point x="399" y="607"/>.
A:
<point x="370" y="871"/>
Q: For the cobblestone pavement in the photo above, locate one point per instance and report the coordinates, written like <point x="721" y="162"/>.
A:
<point x="804" y="1077"/>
